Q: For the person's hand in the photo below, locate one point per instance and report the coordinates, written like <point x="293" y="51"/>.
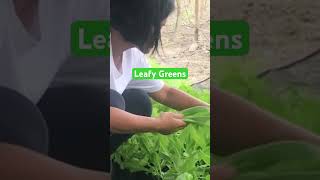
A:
<point x="222" y="173"/>
<point x="169" y="122"/>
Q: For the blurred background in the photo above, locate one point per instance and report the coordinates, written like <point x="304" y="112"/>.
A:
<point x="282" y="71"/>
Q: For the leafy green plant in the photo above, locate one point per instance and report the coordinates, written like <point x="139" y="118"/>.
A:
<point x="185" y="176"/>
<point x="182" y="155"/>
<point x="197" y="115"/>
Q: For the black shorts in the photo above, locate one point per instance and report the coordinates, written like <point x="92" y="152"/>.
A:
<point x="68" y="124"/>
<point x="136" y="102"/>
<point x="133" y="101"/>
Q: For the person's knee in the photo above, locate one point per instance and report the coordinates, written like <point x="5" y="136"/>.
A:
<point x="78" y="97"/>
<point x="21" y="123"/>
<point x="116" y="100"/>
<point x="71" y="112"/>
<point x="138" y="102"/>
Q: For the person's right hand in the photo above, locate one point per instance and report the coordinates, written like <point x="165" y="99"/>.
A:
<point x="169" y="122"/>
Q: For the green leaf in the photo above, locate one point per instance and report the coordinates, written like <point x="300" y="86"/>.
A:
<point x="197" y="115"/>
<point x="185" y="176"/>
<point x="195" y="110"/>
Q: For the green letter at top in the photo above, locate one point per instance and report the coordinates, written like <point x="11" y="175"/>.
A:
<point x="90" y="38"/>
<point x="229" y="38"/>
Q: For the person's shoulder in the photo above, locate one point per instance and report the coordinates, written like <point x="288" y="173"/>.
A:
<point x="136" y="56"/>
<point x="136" y="52"/>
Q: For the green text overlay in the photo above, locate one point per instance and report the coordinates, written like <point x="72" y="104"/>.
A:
<point x="90" y="38"/>
<point x="159" y="73"/>
<point x="229" y="38"/>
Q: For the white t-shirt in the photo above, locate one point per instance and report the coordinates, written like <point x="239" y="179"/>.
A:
<point x="121" y="80"/>
<point x="29" y="65"/>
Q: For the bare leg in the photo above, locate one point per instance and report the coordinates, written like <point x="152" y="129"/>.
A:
<point x="237" y="125"/>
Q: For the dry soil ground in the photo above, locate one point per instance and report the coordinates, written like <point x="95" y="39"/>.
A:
<point x="179" y="48"/>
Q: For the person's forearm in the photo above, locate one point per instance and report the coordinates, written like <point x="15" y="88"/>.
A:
<point x="180" y="100"/>
<point x="177" y="99"/>
<point x="20" y="163"/>
<point x="238" y="124"/>
<point x="124" y="122"/>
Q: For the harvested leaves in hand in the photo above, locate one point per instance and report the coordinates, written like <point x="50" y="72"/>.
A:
<point x="198" y="115"/>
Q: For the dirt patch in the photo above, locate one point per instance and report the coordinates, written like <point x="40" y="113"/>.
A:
<point x="179" y="47"/>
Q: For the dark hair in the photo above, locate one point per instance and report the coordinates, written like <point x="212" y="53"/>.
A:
<point x="139" y="21"/>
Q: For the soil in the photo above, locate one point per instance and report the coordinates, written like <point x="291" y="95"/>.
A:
<point x="179" y="47"/>
<point x="281" y="32"/>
